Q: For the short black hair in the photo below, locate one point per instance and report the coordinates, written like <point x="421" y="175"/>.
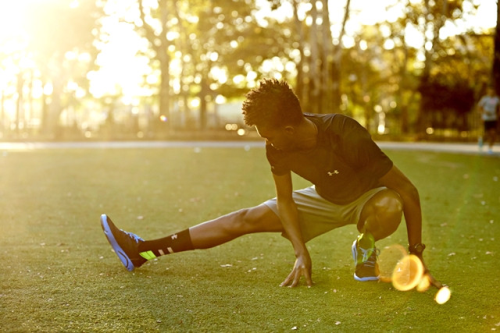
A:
<point x="273" y="103"/>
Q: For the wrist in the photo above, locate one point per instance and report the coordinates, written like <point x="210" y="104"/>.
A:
<point x="417" y="249"/>
<point x="300" y="252"/>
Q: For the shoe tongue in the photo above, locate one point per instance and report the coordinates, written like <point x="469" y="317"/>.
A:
<point x="366" y="241"/>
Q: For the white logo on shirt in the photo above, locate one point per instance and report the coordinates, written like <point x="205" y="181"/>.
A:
<point x="335" y="172"/>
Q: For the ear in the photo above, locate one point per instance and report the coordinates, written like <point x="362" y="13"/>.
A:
<point x="289" y="130"/>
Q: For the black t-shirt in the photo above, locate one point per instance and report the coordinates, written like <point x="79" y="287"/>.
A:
<point x="344" y="164"/>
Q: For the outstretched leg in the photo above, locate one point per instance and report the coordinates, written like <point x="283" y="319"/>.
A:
<point x="133" y="251"/>
<point x="228" y="227"/>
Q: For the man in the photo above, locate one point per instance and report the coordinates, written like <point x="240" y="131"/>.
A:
<point x="489" y="109"/>
<point x="354" y="183"/>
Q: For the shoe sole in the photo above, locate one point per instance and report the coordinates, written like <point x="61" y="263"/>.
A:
<point x="355" y="257"/>
<point x="369" y="278"/>
<point x="354" y="252"/>
<point x="114" y="244"/>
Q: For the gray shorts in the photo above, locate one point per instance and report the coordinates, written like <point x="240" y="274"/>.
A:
<point x="318" y="215"/>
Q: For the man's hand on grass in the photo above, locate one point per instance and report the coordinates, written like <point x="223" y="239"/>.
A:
<point x="301" y="268"/>
<point x="431" y="278"/>
<point x="433" y="281"/>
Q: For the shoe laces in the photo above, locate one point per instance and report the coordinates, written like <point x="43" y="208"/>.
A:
<point x="369" y="259"/>
<point x="133" y="236"/>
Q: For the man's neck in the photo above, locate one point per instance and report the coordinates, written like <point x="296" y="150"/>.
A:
<point x="307" y="134"/>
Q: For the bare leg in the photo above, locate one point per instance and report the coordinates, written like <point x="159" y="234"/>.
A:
<point x="382" y="214"/>
<point x="228" y="227"/>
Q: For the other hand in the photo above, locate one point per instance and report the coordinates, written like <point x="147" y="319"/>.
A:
<point x="431" y="278"/>
<point x="433" y="281"/>
<point x="302" y="267"/>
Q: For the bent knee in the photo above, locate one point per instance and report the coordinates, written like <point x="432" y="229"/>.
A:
<point x="383" y="212"/>
<point x="391" y="203"/>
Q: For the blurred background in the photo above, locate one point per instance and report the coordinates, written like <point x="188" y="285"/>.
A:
<point x="179" y="69"/>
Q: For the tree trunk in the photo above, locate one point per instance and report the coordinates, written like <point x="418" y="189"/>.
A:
<point x="19" y="104"/>
<point x="437" y="23"/>
<point x="299" y="90"/>
<point x="2" y="113"/>
<point x="164" y="95"/>
<point x="55" y="107"/>
<point x="45" y="115"/>
<point x="160" y="45"/>
<point x="326" y="87"/>
<point x="337" y="64"/>
<point x="403" y="106"/>
<point x="29" y="115"/>
<point x="314" y="79"/>
<point x="496" y="58"/>
<point x="203" y="102"/>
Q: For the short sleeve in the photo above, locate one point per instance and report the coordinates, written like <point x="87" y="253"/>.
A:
<point x="276" y="161"/>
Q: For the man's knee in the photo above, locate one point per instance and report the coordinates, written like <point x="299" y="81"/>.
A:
<point x="382" y="213"/>
<point x="391" y="205"/>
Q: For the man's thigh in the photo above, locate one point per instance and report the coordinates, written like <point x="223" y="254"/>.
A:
<point x="318" y="216"/>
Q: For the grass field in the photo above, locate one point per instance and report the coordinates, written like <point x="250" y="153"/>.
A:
<point x="58" y="273"/>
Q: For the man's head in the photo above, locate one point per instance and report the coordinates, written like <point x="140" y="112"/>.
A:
<point x="275" y="111"/>
<point x="273" y="104"/>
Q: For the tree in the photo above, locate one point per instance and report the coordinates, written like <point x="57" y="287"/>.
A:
<point x="496" y="56"/>
<point x="155" y="27"/>
<point x="56" y="29"/>
<point x="337" y="62"/>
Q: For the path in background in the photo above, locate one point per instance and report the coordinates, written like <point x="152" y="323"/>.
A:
<point x="463" y="148"/>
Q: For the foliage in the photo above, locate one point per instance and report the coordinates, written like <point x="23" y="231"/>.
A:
<point x="59" y="51"/>
<point x="198" y="51"/>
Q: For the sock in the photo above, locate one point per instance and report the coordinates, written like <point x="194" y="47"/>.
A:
<point x="366" y="240"/>
<point x="178" y="242"/>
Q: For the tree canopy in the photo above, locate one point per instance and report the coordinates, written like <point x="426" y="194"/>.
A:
<point x="401" y="74"/>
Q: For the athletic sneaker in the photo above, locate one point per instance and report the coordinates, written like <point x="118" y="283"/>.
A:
<point x="366" y="262"/>
<point x="124" y="243"/>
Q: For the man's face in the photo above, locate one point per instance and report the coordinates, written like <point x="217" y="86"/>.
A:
<point x="279" y="138"/>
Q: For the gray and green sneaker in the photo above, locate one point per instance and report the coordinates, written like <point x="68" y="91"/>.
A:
<point x="365" y="258"/>
<point x="125" y="244"/>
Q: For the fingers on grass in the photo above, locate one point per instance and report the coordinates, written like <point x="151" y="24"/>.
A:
<point x="309" y="280"/>
<point x="296" y="279"/>
<point x="435" y="282"/>
<point x="287" y="280"/>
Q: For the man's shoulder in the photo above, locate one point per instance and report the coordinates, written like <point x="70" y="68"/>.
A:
<point x="328" y="120"/>
<point x="323" y="115"/>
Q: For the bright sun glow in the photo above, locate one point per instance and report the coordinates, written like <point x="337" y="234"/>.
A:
<point x="123" y="71"/>
<point x="11" y="17"/>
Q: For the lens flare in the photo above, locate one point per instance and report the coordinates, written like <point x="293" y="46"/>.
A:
<point x="388" y="259"/>
<point x="407" y="273"/>
<point x="443" y="295"/>
<point x="424" y="284"/>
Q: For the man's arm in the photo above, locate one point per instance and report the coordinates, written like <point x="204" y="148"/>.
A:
<point x="290" y="221"/>
<point x="398" y="182"/>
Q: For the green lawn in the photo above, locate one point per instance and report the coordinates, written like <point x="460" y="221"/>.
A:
<point x="58" y="273"/>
